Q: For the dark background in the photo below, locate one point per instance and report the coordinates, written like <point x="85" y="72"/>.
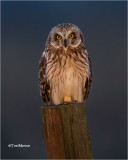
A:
<point x="25" y="27"/>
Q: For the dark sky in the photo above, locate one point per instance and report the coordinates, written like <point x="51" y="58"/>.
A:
<point x="25" y="27"/>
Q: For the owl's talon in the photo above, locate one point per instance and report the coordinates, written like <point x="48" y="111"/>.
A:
<point x="74" y="101"/>
<point x="68" y="102"/>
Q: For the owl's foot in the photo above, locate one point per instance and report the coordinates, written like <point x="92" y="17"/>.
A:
<point x="67" y="100"/>
<point x="72" y="102"/>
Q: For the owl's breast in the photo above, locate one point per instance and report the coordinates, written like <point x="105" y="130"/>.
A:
<point x="68" y="77"/>
<point x="70" y="80"/>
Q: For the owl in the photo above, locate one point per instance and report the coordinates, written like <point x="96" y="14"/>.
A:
<point x="65" y="69"/>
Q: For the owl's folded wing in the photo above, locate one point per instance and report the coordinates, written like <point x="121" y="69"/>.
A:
<point x="87" y="88"/>
<point x="87" y="85"/>
<point x="44" y="85"/>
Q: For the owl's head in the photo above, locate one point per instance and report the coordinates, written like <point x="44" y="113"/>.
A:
<point x="64" y="36"/>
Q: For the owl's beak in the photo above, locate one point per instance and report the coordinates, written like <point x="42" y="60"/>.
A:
<point x="65" y="43"/>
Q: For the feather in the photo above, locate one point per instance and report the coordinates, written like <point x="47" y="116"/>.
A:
<point x="44" y="84"/>
<point x="88" y="82"/>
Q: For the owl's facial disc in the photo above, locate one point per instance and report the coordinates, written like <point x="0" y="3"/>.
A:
<point x="63" y="37"/>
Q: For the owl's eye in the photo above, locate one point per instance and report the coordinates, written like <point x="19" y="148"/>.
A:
<point x="71" y="35"/>
<point x="58" y="37"/>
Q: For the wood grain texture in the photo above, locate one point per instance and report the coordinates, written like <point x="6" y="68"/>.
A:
<point x="65" y="132"/>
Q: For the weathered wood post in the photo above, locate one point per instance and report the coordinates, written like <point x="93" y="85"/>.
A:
<point x="65" y="132"/>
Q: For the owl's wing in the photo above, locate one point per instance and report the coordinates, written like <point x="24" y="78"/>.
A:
<point x="87" y="85"/>
<point x="44" y="84"/>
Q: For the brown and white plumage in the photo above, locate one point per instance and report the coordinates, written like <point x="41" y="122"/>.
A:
<point x="65" y="69"/>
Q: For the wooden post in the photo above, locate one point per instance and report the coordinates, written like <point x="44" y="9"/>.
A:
<point x="65" y="132"/>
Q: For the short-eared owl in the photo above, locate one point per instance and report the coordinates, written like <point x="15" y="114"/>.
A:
<point x="65" y="69"/>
